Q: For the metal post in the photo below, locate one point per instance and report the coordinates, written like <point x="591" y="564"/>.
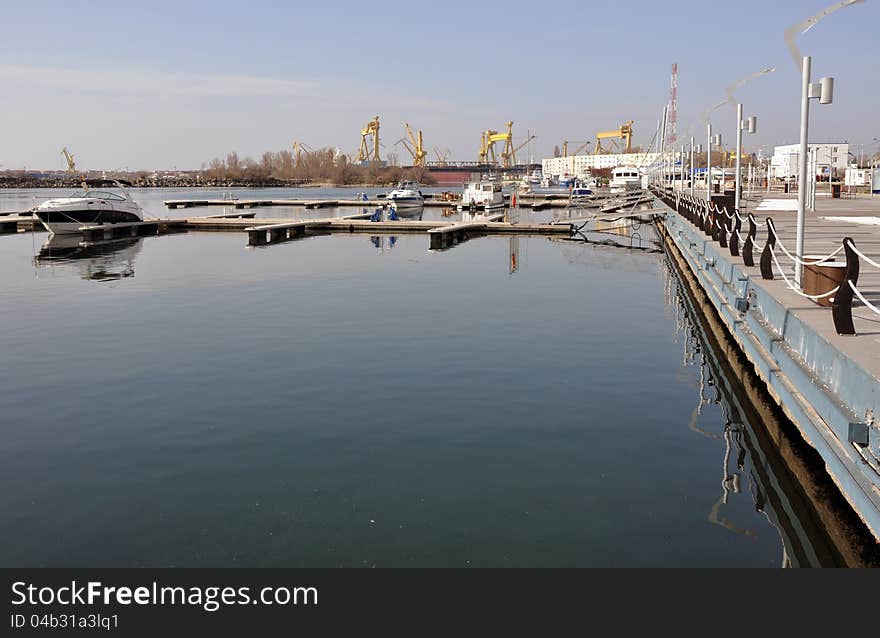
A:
<point x="737" y="183"/>
<point x="681" y="159"/>
<point x="662" y="151"/>
<point x="708" y="162"/>
<point x="692" y="166"/>
<point x="802" y="190"/>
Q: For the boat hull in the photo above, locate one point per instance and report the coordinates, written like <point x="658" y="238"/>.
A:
<point x="407" y="202"/>
<point x="69" y="222"/>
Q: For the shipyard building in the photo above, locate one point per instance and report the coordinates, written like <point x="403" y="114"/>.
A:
<point x="583" y="164"/>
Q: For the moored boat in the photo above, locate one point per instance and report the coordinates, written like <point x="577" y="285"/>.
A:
<point x="625" y="178"/>
<point x="406" y="195"/>
<point x="483" y="195"/>
<point x="67" y="215"/>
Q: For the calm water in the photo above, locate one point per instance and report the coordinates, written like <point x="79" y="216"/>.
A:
<point x="356" y="401"/>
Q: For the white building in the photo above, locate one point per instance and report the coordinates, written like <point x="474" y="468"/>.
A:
<point x="857" y="176"/>
<point x="831" y="160"/>
<point x="582" y="164"/>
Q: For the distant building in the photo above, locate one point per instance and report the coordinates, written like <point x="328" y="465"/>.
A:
<point x="831" y="160"/>
<point x="582" y="164"/>
<point x="857" y="176"/>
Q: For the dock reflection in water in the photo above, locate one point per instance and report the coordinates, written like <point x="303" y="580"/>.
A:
<point x="762" y="462"/>
<point x="108" y="260"/>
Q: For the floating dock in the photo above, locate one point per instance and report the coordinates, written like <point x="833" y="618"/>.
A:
<point x="269" y="231"/>
<point x="827" y="384"/>
<point x="308" y="204"/>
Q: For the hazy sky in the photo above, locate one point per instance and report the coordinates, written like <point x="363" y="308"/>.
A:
<point x="173" y="84"/>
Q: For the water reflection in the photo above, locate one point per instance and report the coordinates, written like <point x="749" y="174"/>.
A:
<point x="108" y="260"/>
<point x="383" y="243"/>
<point x="760" y="468"/>
<point x="407" y="212"/>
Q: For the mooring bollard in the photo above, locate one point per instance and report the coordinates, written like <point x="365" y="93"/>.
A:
<point x="749" y="244"/>
<point x="767" y="253"/>
<point x="841" y="304"/>
<point x="734" y="236"/>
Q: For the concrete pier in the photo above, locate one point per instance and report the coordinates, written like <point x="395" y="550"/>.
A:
<point x="828" y="385"/>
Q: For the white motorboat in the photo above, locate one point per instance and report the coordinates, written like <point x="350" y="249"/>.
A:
<point x="66" y="215"/>
<point x="625" y="179"/>
<point x="406" y="195"/>
<point x="483" y="195"/>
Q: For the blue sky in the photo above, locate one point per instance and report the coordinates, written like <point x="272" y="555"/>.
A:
<point x="161" y="84"/>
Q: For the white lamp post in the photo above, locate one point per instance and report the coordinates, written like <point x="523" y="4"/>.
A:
<point x="750" y="125"/>
<point x="709" y="162"/>
<point x="691" y="176"/>
<point x="709" y="141"/>
<point x="824" y="91"/>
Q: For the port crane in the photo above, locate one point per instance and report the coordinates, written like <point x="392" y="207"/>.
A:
<point x="365" y="153"/>
<point x="625" y="132"/>
<point x="441" y="157"/>
<point x="71" y="164"/>
<point x="582" y="146"/>
<point x="414" y="146"/>
<point x="489" y="138"/>
<point x="509" y="159"/>
<point x="298" y="148"/>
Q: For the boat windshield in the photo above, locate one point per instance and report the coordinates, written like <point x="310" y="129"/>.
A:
<point x="113" y="197"/>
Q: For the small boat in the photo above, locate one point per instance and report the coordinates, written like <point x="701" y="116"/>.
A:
<point x="625" y="179"/>
<point x="66" y="215"/>
<point x="583" y="187"/>
<point x="406" y="195"/>
<point x="580" y="191"/>
<point x="483" y="195"/>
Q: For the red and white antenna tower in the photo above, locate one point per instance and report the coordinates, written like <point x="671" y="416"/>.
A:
<point x="671" y="135"/>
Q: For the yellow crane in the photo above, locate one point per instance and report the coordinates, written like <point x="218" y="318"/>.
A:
<point x="364" y="153"/>
<point x="624" y="132"/>
<point x="298" y="148"/>
<point x="71" y="165"/>
<point x="489" y="138"/>
<point x="416" y="149"/>
<point x="509" y="159"/>
<point x="441" y="157"/>
<point x="582" y="146"/>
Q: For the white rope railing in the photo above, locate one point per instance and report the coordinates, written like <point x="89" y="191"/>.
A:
<point x="862" y="255"/>
<point x="862" y="297"/>
<point x="796" y="289"/>
<point x="754" y="243"/>
<point x="798" y="260"/>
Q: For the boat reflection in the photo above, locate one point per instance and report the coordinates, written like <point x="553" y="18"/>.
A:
<point x="108" y="260"/>
<point x="763" y="464"/>
<point x="407" y="212"/>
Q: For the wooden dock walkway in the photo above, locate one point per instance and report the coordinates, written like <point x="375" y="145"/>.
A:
<point x="308" y="204"/>
<point x="445" y="236"/>
<point x="127" y="229"/>
<point x="11" y="223"/>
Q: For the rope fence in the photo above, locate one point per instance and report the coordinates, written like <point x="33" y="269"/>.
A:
<point x="725" y="228"/>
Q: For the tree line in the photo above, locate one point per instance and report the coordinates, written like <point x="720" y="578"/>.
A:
<point x="320" y="166"/>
